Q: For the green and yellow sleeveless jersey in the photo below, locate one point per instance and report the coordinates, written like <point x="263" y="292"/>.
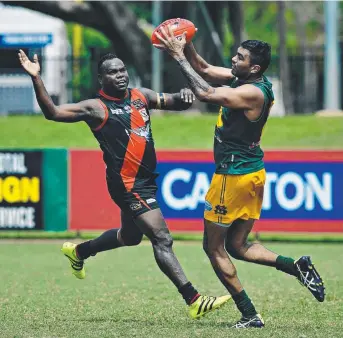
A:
<point x="237" y="148"/>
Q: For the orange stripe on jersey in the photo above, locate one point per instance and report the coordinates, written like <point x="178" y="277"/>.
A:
<point x="141" y="200"/>
<point x="136" y="92"/>
<point x="135" y="148"/>
<point x="105" y="118"/>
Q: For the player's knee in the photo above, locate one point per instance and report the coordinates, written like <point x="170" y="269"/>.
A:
<point x="163" y="241"/>
<point x="234" y="250"/>
<point x="212" y="252"/>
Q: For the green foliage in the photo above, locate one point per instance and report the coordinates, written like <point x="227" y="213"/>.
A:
<point x="142" y="9"/>
<point x="228" y="40"/>
<point x="260" y="23"/>
<point x="91" y="38"/>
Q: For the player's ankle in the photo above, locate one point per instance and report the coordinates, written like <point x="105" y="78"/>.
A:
<point x="194" y="298"/>
<point x="286" y="264"/>
<point x="244" y="304"/>
<point x="189" y="293"/>
<point x="83" y="250"/>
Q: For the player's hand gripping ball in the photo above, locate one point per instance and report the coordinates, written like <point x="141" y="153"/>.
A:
<point x="178" y="26"/>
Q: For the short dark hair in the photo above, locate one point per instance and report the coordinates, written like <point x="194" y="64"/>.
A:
<point x="260" y="53"/>
<point x="108" y="56"/>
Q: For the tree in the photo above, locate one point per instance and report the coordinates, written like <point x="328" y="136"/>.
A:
<point x="112" y="18"/>
<point x="283" y="60"/>
<point x="236" y="18"/>
<point x="310" y="75"/>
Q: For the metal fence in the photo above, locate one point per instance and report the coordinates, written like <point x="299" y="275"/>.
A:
<point x="306" y="81"/>
<point x="64" y="85"/>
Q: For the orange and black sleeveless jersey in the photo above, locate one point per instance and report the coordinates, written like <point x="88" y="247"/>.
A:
<point x="126" y="140"/>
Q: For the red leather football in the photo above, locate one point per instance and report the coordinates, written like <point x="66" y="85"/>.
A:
<point x="179" y="26"/>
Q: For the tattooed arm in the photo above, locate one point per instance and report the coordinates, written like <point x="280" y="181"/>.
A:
<point x="197" y="84"/>
<point x="214" y="74"/>
<point x="247" y="97"/>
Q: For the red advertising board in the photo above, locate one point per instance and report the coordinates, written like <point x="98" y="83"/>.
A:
<point x="304" y="191"/>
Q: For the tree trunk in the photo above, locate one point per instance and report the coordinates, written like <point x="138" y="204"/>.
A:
<point x="283" y="60"/>
<point x="112" y="18"/>
<point x="236" y="18"/>
<point x="216" y="11"/>
<point x="309" y="86"/>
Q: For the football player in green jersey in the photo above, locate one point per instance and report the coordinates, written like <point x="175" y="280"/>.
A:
<point x="234" y="199"/>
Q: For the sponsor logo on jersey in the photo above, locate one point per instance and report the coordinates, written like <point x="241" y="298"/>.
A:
<point x="220" y="209"/>
<point x="135" y="206"/>
<point x="144" y="114"/>
<point x="128" y="109"/>
<point x="117" y="111"/>
<point x="138" y="104"/>
<point x="150" y="200"/>
<point x="142" y="131"/>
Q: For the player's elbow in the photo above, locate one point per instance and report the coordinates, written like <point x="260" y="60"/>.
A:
<point x="49" y="113"/>
<point x="48" y="116"/>
<point x="203" y="96"/>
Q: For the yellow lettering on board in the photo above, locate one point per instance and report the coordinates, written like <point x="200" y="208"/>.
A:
<point x="30" y="189"/>
<point x="11" y="189"/>
<point x="16" y="190"/>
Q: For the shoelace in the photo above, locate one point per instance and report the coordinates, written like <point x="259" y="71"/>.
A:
<point x="242" y="324"/>
<point x="306" y="281"/>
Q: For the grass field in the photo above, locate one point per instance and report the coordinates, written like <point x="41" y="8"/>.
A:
<point x="125" y="295"/>
<point x="175" y="132"/>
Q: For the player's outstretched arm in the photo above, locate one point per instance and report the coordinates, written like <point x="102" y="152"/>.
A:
<point x="90" y="111"/>
<point x="245" y="97"/>
<point x="165" y="101"/>
<point x="218" y="75"/>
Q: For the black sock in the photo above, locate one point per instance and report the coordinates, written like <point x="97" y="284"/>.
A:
<point x="244" y="304"/>
<point x="107" y="241"/>
<point x="286" y="264"/>
<point x="189" y="293"/>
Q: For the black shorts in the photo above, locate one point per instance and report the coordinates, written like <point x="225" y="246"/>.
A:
<point x="141" y="199"/>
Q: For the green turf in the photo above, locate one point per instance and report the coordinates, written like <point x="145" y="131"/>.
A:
<point x="125" y="295"/>
<point x="175" y="131"/>
<point x="182" y="236"/>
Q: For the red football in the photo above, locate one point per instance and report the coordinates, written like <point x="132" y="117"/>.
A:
<point x="179" y="26"/>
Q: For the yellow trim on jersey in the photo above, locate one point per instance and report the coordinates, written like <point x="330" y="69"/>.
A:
<point x="220" y="120"/>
